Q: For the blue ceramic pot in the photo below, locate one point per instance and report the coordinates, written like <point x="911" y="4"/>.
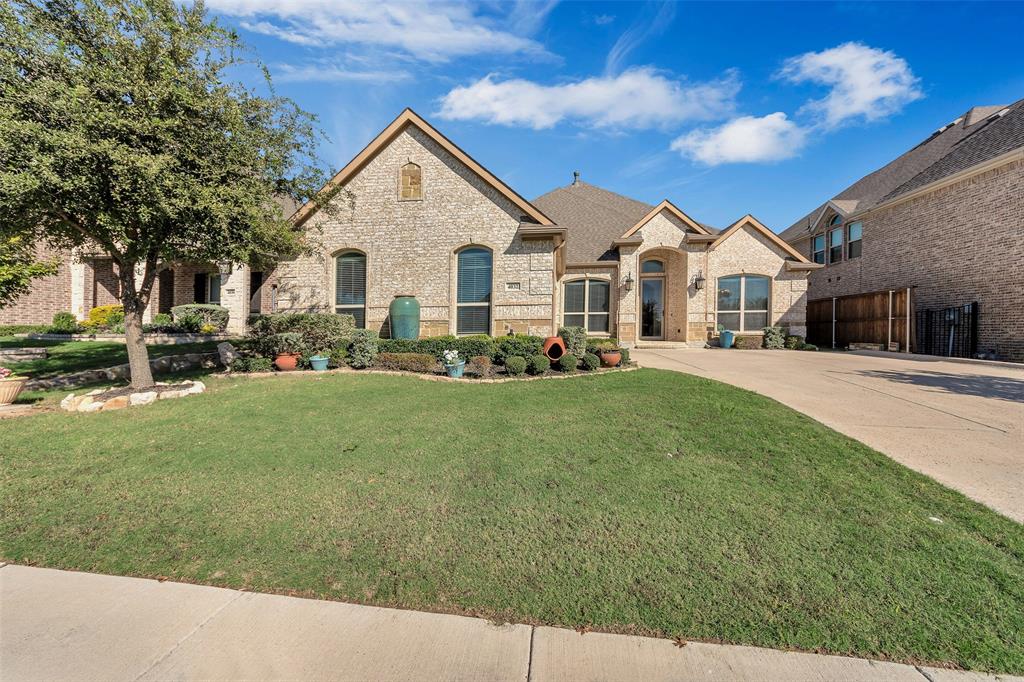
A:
<point x="319" y="362"/>
<point x="455" y="371"/>
<point x="726" y="338"/>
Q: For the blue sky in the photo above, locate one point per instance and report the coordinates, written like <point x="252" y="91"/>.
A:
<point x="723" y="108"/>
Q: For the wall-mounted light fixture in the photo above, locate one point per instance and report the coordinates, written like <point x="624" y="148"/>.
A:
<point x="225" y="267"/>
<point x="628" y="282"/>
<point x="698" y="281"/>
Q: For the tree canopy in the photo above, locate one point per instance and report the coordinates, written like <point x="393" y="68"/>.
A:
<point x="18" y="267"/>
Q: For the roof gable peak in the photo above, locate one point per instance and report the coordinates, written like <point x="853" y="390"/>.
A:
<point x="674" y="210"/>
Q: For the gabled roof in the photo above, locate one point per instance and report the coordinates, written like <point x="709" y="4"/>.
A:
<point x="759" y="226"/>
<point x="980" y="134"/>
<point x="406" y="118"/>
<point x="666" y="205"/>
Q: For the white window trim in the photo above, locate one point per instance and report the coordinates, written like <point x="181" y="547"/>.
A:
<point x="209" y="288"/>
<point x="743" y="297"/>
<point x="586" y="303"/>
<point x="453" y="324"/>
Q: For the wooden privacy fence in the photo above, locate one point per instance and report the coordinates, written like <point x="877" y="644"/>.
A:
<point x="883" y="318"/>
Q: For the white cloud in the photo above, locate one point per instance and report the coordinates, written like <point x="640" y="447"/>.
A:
<point x="430" y="31"/>
<point x="747" y="139"/>
<point x="644" y="28"/>
<point x="604" y="19"/>
<point x="334" y="72"/>
<point x="865" y="82"/>
<point x="636" y="98"/>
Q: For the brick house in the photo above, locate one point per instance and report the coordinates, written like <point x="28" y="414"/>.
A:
<point x="945" y="219"/>
<point x="414" y="214"/>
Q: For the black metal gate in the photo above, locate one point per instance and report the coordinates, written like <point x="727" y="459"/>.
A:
<point x="952" y="332"/>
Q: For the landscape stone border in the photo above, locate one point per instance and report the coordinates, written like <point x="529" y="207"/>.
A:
<point x="93" y="401"/>
<point x="168" y="363"/>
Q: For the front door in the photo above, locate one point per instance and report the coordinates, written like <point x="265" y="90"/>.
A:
<point x="652" y="304"/>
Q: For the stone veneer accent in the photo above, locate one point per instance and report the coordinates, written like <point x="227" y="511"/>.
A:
<point x="410" y="245"/>
<point x="955" y="245"/>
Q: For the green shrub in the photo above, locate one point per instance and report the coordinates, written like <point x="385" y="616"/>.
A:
<point x="748" y="342"/>
<point x="568" y="363"/>
<point x="362" y="350"/>
<point x="400" y="345"/>
<point x="515" y="365"/>
<point x="794" y="342"/>
<point x="774" y="338"/>
<point x="407" y="362"/>
<point x="338" y="357"/>
<point x="162" y="319"/>
<point x="538" y="364"/>
<point x="478" y="344"/>
<point x="252" y="364"/>
<point x="103" y="316"/>
<point x="289" y="342"/>
<point x="808" y="346"/>
<point x="479" y="365"/>
<point x="575" y="340"/>
<point x="591" y="362"/>
<point x="522" y="345"/>
<point x="321" y="332"/>
<point x="194" y="315"/>
<point x="63" y="323"/>
<point x="595" y="346"/>
<point x="625" y="357"/>
<point x="468" y="346"/>
<point x="12" y="329"/>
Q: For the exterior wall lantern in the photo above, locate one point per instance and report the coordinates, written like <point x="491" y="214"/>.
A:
<point x="225" y="267"/>
<point x="698" y="281"/>
<point x="628" y="282"/>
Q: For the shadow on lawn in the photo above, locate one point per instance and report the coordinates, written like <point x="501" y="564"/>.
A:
<point x="1000" y="388"/>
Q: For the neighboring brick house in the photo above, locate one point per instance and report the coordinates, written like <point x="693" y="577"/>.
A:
<point x="414" y="214"/>
<point x="945" y="219"/>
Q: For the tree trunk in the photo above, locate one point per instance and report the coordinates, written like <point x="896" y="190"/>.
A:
<point x="135" y="302"/>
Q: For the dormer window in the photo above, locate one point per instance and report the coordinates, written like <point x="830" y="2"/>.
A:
<point x="411" y="183"/>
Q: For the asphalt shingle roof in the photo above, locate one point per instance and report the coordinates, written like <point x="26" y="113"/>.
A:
<point x="977" y="136"/>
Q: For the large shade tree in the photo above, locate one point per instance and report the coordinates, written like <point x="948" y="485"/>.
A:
<point x="125" y="130"/>
<point x="18" y="267"/>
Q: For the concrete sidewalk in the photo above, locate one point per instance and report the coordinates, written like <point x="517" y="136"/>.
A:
<point x="80" y="626"/>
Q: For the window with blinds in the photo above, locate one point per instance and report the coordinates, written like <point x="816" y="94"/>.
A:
<point x="743" y="302"/>
<point x="473" y="314"/>
<point x="350" y="286"/>
<point x="587" y="303"/>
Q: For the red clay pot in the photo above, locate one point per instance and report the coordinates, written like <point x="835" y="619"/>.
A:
<point x="287" y="362"/>
<point x="554" y="348"/>
<point x="611" y="358"/>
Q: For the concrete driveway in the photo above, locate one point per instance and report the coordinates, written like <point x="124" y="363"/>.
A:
<point x="960" y="423"/>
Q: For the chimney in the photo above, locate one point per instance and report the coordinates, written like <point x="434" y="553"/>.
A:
<point x="575" y="177"/>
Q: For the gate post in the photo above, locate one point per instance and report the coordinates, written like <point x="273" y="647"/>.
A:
<point x="833" y="322"/>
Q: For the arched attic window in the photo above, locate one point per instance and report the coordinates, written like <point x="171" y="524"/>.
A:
<point x="411" y="182"/>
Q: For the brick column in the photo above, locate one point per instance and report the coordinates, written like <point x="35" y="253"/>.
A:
<point x="626" y="308"/>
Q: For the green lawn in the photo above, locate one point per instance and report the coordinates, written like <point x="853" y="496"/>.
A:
<point x="75" y="356"/>
<point x="645" y="502"/>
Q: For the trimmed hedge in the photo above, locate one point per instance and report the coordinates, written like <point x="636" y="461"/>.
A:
<point x="568" y="363"/>
<point x="252" y="364"/>
<point x="794" y="342"/>
<point x="591" y="362"/>
<point x="748" y="342"/>
<point x="363" y="349"/>
<point x="522" y="345"/>
<point x="575" y="340"/>
<point x="321" y="332"/>
<point x="595" y="346"/>
<point x="407" y="362"/>
<point x="479" y="365"/>
<point x="467" y="346"/>
<point x="538" y="364"/>
<point x="193" y="316"/>
<point x="515" y="365"/>
<point x="63" y="323"/>
<point x="12" y="329"/>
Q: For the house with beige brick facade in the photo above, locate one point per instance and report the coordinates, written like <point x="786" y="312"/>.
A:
<point x="413" y="214"/>
<point x="944" y="220"/>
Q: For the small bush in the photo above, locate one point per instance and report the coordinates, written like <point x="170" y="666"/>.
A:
<point x="515" y="365"/>
<point x="338" y="357"/>
<point x="479" y="365"/>
<point x="794" y="342"/>
<point x="538" y="364"/>
<point x="321" y="332"/>
<point x="207" y="329"/>
<point x="522" y="345"/>
<point x="467" y="346"/>
<point x="289" y="342"/>
<point x="625" y="357"/>
<point x="575" y="340"/>
<point x="252" y="364"/>
<point x="407" y="362"/>
<point x="363" y="350"/>
<point x="568" y="363"/>
<point x="808" y="346"/>
<point x="774" y="338"/>
<point x="12" y="329"/>
<point x="595" y="346"/>
<point x="748" y="342"/>
<point x="162" y="319"/>
<point x="399" y="345"/>
<point x="63" y="323"/>
<point x="194" y="315"/>
<point x="103" y="317"/>
<point x="591" y="362"/>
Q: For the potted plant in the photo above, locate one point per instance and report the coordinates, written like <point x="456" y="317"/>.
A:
<point x="453" y="364"/>
<point x="289" y="347"/>
<point x="611" y="357"/>
<point x="10" y="385"/>
<point x="318" y="361"/>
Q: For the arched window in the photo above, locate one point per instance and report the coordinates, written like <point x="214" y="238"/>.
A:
<point x="350" y="286"/>
<point x="411" y="186"/>
<point x="587" y="304"/>
<point x="652" y="266"/>
<point x="473" y="315"/>
<point x="743" y="302"/>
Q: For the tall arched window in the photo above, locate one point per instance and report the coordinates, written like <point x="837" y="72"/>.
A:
<point x="411" y="182"/>
<point x="350" y="286"/>
<point x="473" y="315"/>
<point x="743" y="302"/>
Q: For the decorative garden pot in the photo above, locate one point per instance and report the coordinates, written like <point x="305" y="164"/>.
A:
<point x="554" y="348"/>
<point x="726" y="338"/>
<point x="455" y="371"/>
<point x="287" y="362"/>
<point x="611" y="358"/>
<point x="9" y="390"/>
<point x="319" y="362"/>
<point x="405" y="317"/>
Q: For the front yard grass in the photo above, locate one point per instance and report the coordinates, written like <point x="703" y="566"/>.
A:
<point x="645" y="502"/>
<point x="65" y="357"/>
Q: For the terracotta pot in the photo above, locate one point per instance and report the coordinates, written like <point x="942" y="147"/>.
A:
<point x="554" y="348"/>
<point x="287" y="362"/>
<point x="9" y="390"/>
<point x="611" y="358"/>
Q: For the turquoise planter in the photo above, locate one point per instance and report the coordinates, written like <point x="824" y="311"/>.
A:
<point x="455" y="371"/>
<point x="726" y="339"/>
<point x="319" y="362"/>
<point x="405" y="317"/>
